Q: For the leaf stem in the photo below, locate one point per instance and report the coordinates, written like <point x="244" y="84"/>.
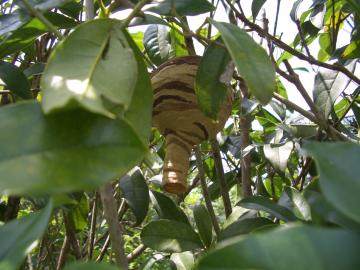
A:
<point x="134" y="12"/>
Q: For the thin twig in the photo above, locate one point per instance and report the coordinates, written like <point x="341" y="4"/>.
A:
<point x="92" y="227"/>
<point x="70" y="233"/>
<point x="136" y="253"/>
<point x="136" y="10"/>
<point x="206" y="194"/>
<point x="63" y="253"/>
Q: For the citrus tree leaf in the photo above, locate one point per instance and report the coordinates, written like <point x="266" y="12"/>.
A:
<point x="183" y="261"/>
<point x="94" y="63"/>
<point x="338" y="165"/>
<point x="250" y="59"/>
<point x="43" y="4"/>
<point x="62" y="152"/>
<point x="256" y="7"/>
<point x="265" y="204"/>
<point x="212" y="79"/>
<point x="278" y="155"/>
<point x="91" y="266"/>
<point x="15" y="80"/>
<point x="136" y="194"/>
<point x="19" y="236"/>
<point x="203" y="223"/>
<point x="166" y="208"/>
<point x="294" y="247"/>
<point x="157" y="43"/>
<point x="170" y="236"/>
<point x="293" y="200"/>
<point x="182" y="7"/>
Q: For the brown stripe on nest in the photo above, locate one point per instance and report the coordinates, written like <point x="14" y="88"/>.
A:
<point x="175" y="85"/>
<point x="203" y="128"/>
<point x="172" y="170"/>
<point x="192" y="134"/>
<point x="189" y="60"/>
<point x="161" y="99"/>
<point x="168" y="131"/>
<point x="174" y="140"/>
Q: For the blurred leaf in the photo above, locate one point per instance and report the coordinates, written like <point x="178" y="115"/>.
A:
<point x="11" y="22"/>
<point x="43" y="4"/>
<point x="92" y="64"/>
<point x="35" y="69"/>
<point x="170" y="236"/>
<point x="352" y="51"/>
<point x="157" y="43"/>
<point x="203" y="224"/>
<point x="295" y="202"/>
<point x="251" y="61"/>
<point x="278" y="155"/>
<point x="19" y="236"/>
<point x="182" y="7"/>
<point x="91" y="266"/>
<point x="213" y="79"/>
<point x="136" y="194"/>
<point x="167" y="209"/>
<point x="264" y="204"/>
<point x="294" y="9"/>
<point x="65" y="152"/>
<point x="293" y="247"/>
<point x="79" y="214"/>
<point x="339" y="169"/>
<point x="243" y="226"/>
<point x="256" y="7"/>
<point x="15" y="80"/>
<point x="327" y="87"/>
<point x="183" y="261"/>
<point x="147" y="19"/>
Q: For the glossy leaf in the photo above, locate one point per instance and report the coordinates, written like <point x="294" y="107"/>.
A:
<point x="213" y="79"/>
<point x="136" y="194"/>
<point x="265" y="204"/>
<point x="170" y="236"/>
<point x="92" y="65"/>
<point x="294" y="247"/>
<point x="15" y="80"/>
<point x="167" y="209"/>
<point x="243" y="226"/>
<point x="182" y="7"/>
<point x="250" y="59"/>
<point x="157" y="43"/>
<point x="256" y="7"/>
<point x="11" y="22"/>
<point x="91" y="266"/>
<point x="64" y="152"/>
<point x="327" y="87"/>
<point x="278" y="155"/>
<point x="19" y="236"/>
<point x="203" y="224"/>
<point x="294" y="201"/>
<point x="183" y="261"/>
<point x="338" y="165"/>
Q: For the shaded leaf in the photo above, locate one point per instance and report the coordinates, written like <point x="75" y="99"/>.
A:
<point x="19" y="236"/>
<point x="65" y="152"/>
<point x="265" y="204"/>
<point x="11" y="22"/>
<point x="182" y="7"/>
<point x="293" y="200"/>
<point x="166" y="208"/>
<point x="294" y="9"/>
<point x="136" y="194"/>
<point x="92" y="64"/>
<point x="15" y="80"/>
<point x="203" y="224"/>
<point x="147" y="19"/>
<point x="339" y="169"/>
<point x="294" y="247"/>
<point x="213" y="79"/>
<point x="170" y="236"/>
<point x="157" y="43"/>
<point x="251" y="61"/>
<point x="43" y="4"/>
<point x="256" y="7"/>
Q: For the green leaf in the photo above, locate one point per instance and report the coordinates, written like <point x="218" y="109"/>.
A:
<point x="243" y="226"/>
<point x="203" y="223"/>
<point x="11" y="22"/>
<point x="182" y="7"/>
<point x="79" y="213"/>
<point x="91" y="266"/>
<point x="63" y="152"/>
<point x="265" y="204"/>
<point x="278" y="155"/>
<point x="92" y="65"/>
<point x="251" y="60"/>
<point x="146" y="19"/>
<point x="28" y="33"/>
<point x="15" y="80"/>
<point x="327" y="87"/>
<point x="183" y="261"/>
<point x="18" y="237"/>
<point x="295" y="202"/>
<point x="352" y="51"/>
<point x="170" y="236"/>
<point x="166" y="208"/>
<point x="178" y="46"/>
<point x="256" y="7"/>
<point x="157" y="43"/>
<point x="136" y="194"/>
<point x="339" y="169"/>
<point x="294" y="247"/>
<point x="35" y="69"/>
<point x="43" y="4"/>
<point x="213" y="79"/>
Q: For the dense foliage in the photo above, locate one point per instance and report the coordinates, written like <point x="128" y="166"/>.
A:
<point x="80" y="165"/>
